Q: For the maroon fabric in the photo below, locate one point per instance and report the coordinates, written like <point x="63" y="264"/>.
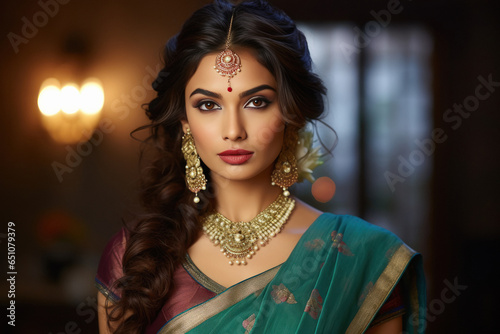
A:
<point x="393" y="307"/>
<point x="394" y="302"/>
<point x="186" y="293"/>
<point x="110" y="265"/>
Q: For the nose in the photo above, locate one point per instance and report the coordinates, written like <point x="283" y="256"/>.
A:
<point x="233" y="127"/>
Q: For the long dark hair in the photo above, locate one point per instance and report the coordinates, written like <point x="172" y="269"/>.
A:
<point x="159" y="241"/>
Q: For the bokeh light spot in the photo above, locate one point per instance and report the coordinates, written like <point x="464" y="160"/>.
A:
<point x="323" y="189"/>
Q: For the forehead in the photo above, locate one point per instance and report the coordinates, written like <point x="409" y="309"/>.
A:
<point x="252" y="74"/>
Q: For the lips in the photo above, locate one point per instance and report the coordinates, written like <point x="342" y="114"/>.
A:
<point x="235" y="157"/>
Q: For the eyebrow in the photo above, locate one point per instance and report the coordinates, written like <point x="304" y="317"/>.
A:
<point x="205" y="92"/>
<point x="243" y="94"/>
<point x="256" y="89"/>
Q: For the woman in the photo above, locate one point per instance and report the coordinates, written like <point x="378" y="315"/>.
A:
<point x="236" y="89"/>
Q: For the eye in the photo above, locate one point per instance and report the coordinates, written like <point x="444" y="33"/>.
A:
<point x="207" y="106"/>
<point x="257" y="102"/>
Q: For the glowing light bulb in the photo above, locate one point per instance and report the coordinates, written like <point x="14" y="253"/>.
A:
<point x="70" y="99"/>
<point x="49" y="98"/>
<point x="80" y="106"/>
<point x="91" y="97"/>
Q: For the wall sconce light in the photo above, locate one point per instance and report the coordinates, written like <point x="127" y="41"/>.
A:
<point x="70" y="113"/>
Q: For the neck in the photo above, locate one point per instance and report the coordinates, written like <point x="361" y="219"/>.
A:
<point x="243" y="200"/>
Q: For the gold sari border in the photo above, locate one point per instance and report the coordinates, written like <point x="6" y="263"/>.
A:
<point x="200" y="277"/>
<point x="193" y="317"/>
<point x="381" y="290"/>
<point x="105" y="291"/>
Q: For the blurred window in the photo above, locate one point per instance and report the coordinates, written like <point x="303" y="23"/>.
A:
<point x="379" y="103"/>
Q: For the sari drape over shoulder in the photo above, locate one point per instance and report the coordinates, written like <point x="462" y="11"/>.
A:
<point x="336" y="280"/>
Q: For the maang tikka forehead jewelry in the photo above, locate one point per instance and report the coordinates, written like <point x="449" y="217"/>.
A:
<point x="227" y="62"/>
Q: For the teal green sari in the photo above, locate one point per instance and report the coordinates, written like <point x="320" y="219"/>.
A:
<point x="335" y="280"/>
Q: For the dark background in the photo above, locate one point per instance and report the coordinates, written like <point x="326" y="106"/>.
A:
<point x="117" y="41"/>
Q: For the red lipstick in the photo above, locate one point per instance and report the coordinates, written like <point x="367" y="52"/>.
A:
<point x="235" y="157"/>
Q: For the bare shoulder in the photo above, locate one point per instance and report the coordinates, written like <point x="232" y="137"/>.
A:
<point x="302" y="217"/>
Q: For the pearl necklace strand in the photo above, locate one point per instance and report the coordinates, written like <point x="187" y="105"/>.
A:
<point x="239" y="241"/>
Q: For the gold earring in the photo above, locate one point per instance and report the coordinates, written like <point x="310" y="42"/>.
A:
<point x="195" y="179"/>
<point x="285" y="171"/>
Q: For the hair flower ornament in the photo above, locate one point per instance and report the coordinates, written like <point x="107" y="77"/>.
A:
<point x="308" y="158"/>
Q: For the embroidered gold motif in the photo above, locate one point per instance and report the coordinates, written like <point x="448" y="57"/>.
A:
<point x="281" y="294"/>
<point x="314" y="244"/>
<point x="339" y="244"/>
<point x="314" y="304"/>
<point x="248" y="323"/>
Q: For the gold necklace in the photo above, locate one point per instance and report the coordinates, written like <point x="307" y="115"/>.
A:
<point x="240" y="240"/>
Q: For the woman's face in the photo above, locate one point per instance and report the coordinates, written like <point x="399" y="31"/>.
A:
<point x="238" y="134"/>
